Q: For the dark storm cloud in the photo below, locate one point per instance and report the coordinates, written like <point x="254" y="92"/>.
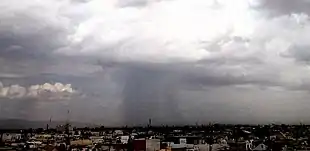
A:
<point x="280" y="7"/>
<point x="156" y="90"/>
<point x="181" y="73"/>
<point x="17" y="108"/>
<point x="174" y="94"/>
<point x="26" y="32"/>
<point x="19" y="45"/>
<point x="150" y="93"/>
<point x="300" y="53"/>
<point x="133" y="3"/>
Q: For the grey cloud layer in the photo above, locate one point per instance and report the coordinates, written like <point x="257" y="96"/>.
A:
<point x="278" y="7"/>
<point x="153" y="51"/>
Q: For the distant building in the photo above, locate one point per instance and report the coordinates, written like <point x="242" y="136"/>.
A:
<point x="84" y="142"/>
<point x="260" y="147"/>
<point x="152" y="145"/>
<point x="43" y="137"/>
<point x="146" y="145"/>
<point x="118" y="132"/>
<point x="8" y="137"/>
<point x="124" y="139"/>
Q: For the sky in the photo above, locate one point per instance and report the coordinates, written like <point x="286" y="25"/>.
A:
<point x="117" y="62"/>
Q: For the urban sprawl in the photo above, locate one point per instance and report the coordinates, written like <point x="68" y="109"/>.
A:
<point x="211" y="137"/>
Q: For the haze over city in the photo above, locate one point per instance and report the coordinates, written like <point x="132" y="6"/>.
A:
<point x="117" y="62"/>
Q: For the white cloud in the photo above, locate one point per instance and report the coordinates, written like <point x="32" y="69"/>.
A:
<point x="45" y="91"/>
<point x="16" y="91"/>
<point x="159" y="31"/>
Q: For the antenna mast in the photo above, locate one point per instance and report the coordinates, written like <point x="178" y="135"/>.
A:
<point x="67" y="129"/>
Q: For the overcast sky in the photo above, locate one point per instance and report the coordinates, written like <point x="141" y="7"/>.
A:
<point x="176" y="61"/>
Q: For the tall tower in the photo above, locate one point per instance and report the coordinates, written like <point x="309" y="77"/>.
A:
<point x="150" y="122"/>
<point x="67" y="129"/>
<point x="50" y="122"/>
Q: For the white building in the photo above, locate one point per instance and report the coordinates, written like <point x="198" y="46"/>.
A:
<point x="124" y="139"/>
<point x="260" y="147"/>
<point x="11" y="137"/>
<point x="152" y="145"/>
